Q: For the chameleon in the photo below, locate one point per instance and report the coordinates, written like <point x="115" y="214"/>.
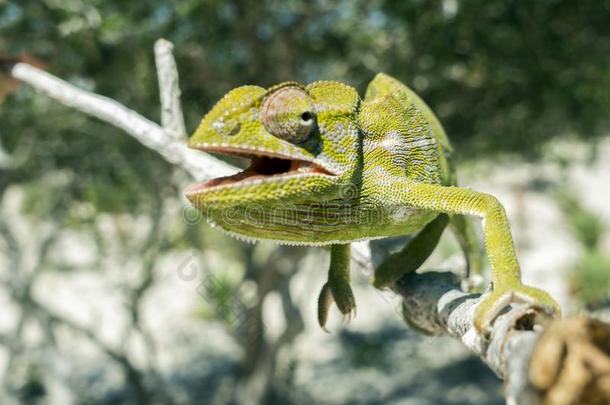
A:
<point x="328" y="168"/>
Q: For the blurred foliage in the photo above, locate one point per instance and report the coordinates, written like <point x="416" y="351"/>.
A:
<point x="32" y="389"/>
<point x="590" y="281"/>
<point x="503" y="76"/>
<point x="587" y="226"/>
<point x="371" y="349"/>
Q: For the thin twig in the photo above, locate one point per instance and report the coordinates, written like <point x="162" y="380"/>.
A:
<point x="172" y="118"/>
<point x="199" y="165"/>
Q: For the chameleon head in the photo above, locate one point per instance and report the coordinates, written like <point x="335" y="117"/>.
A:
<point x="303" y="144"/>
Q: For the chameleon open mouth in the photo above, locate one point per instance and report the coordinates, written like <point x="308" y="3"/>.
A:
<point x="262" y="166"/>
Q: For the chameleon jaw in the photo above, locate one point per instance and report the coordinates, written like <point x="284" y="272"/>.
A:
<point x="264" y="166"/>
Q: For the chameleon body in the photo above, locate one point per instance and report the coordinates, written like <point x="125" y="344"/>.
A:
<point x="329" y="168"/>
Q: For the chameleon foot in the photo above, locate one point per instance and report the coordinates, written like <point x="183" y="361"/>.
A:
<point x="503" y="295"/>
<point x="343" y="297"/>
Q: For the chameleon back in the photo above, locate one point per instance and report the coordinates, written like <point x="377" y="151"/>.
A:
<point x="410" y="133"/>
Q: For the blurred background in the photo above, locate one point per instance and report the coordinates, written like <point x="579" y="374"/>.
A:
<point x="109" y="296"/>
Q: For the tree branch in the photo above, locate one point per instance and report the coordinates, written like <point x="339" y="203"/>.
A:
<point x="169" y="90"/>
<point x="198" y="165"/>
<point x="433" y="303"/>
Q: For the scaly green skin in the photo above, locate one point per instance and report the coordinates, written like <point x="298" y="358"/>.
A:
<point x="362" y="169"/>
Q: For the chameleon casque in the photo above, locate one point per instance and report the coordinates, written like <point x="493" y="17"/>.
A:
<point x="329" y="168"/>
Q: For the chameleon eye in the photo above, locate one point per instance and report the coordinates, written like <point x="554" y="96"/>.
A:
<point x="288" y="113"/>
<point x="306" y="117"/>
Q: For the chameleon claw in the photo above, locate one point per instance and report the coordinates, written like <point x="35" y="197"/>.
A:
<point x="347" y="318"/>
<point x="325" y="300"/>
<point x="344" y="300"/>
<point x="502" y="296"/>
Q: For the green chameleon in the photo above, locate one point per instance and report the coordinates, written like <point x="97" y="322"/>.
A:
<point x="330" y="168"/>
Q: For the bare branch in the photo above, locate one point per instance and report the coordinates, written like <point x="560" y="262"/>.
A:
<point x="433" y="304"/>
<point x="169" y="90"/>
<point x="199" y="165"/>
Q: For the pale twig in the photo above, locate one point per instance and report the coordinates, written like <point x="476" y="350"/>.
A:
<point x="172" y="119"/>
<point x="199" y="165"/>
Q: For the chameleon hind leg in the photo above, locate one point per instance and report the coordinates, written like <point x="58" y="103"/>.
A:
<point x="337" y="289"/>
<point x="463" y="229"/>
<point x="506" y="273"/>
<point x="413" y="255"/>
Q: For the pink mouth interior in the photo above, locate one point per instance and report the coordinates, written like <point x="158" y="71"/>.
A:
<point x="260" y="167"/>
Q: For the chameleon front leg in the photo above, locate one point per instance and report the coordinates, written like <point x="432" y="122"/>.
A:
<point x="337" y="288"/>
<point x="413" y="255"/>
<point x="506" y="273"/>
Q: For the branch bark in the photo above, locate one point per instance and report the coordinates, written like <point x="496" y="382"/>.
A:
<point x="432" y="301"/>
<point x="543" y="361"/>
